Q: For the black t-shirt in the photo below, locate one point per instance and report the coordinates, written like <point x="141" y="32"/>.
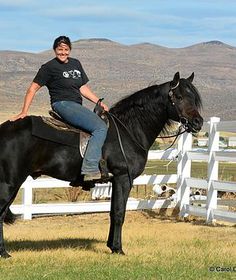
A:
<point x="63" y="80"/>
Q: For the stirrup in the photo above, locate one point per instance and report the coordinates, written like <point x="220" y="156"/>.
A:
<point x="103" y="169"/>
<point x="98" y="177"/>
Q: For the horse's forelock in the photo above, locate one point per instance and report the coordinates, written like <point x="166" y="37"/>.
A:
<point x="197" y="96"/>
<point x="198" y="99"/>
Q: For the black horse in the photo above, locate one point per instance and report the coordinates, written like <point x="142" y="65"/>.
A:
<point x="139" y="119"/>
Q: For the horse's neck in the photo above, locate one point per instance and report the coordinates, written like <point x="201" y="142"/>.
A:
<point x="147" y="132"/>
<point x="146" y="126"/>
<point x="145" y="115"/>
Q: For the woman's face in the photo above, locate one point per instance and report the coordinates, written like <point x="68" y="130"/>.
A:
<point x="62" y="52"/>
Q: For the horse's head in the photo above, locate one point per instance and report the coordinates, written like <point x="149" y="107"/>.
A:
<point x="185" y="103"/>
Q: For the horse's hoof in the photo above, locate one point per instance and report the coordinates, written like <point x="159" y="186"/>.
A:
<point x="5" y="255"/>
<point x="118" y="252"/>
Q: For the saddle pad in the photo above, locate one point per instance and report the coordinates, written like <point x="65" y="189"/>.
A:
<point x="45" y="131"/>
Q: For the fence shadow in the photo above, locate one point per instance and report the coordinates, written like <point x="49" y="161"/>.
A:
<point x="172" y="214"/>
<point x="40" y="245"/>
<point x="163" y="213"/>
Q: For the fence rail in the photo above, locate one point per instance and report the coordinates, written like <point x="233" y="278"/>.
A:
<point x="184" y="154"/>
<point x="212" y="184"/>
<point x="28" y="209"/>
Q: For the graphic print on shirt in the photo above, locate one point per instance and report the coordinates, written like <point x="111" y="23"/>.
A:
<point x="74" y="74"/>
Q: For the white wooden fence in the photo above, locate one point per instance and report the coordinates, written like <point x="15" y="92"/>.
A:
<point x="184" y="155"/>
<point x="213" y="155"/>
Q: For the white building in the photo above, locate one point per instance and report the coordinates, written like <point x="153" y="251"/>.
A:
<point x="202" y="142"/>
<point x="232" y="141"/>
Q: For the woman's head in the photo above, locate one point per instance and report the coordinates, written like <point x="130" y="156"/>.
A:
<point x="62" y="40"/>
<point x="62" y="48"/>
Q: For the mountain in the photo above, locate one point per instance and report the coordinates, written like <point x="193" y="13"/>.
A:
<point x="116" y="70"/>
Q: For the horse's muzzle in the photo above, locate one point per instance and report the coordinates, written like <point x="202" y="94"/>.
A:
<point x="195" y="124"/>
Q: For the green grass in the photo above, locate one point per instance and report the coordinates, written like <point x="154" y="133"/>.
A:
<point x="157" y="247"/>
<point x="112" y="270"/>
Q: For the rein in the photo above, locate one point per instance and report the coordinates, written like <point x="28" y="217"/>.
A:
<point x="114" y="119"/>
<point x="183" y="121"/>
<point x="131" y="136"/>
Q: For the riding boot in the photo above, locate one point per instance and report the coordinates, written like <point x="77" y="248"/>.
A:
<point x="102" y="176"/>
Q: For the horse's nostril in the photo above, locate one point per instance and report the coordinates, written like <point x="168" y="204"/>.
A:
<point x="198" y="122"/>
<point x="183" y="120"/>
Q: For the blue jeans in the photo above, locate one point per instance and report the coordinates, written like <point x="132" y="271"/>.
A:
<point x="81" y="117"/>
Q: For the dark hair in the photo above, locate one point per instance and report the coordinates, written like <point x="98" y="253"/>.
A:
<point x="62" y="39"/>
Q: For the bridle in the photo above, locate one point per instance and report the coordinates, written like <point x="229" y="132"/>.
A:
<point x="183" y="120"/>
<point x="184" y="123"/>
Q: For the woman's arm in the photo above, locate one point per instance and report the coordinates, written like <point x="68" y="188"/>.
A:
<point x="88" y="94"/>
<point x="34" y="87"/>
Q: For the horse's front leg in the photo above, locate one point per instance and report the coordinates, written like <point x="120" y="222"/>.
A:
<point x="120" y="193"/>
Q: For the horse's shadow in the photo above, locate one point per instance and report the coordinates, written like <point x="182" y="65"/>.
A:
<point x="63" y="243"/>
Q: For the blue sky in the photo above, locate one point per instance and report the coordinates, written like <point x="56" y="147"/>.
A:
<point x="32" y="25"/>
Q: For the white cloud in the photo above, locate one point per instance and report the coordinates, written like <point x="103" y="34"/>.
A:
<point x="133" y="21"/>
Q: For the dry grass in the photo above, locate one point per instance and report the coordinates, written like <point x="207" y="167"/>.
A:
<point x="157" y="247"/>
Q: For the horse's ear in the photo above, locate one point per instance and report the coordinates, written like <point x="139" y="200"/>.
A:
<point x="175" y="81"/>
<point x="190" y="78"/>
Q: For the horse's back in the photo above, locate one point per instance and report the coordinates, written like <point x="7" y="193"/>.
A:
<point x="25" y="154"/>
<point x="15" y="137"/>
<point x="9" y="129"/>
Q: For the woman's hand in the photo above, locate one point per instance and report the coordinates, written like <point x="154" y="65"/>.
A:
<point x="34" y="87"/>
<point x="88" y="94"/>
<point x="17" y="117"/>
<point x="104" y="106"/>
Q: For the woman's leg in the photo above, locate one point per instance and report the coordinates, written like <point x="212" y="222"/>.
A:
<point x="81" y="117"/>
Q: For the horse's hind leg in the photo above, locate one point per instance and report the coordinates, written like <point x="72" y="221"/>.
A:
<point x="3" y="252"/>
<point x="7" y="195"/>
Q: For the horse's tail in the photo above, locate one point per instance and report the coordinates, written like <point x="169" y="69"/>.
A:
<point x="10" y="217"/>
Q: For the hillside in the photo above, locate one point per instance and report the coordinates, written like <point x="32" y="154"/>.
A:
<point x="116" y="70"/>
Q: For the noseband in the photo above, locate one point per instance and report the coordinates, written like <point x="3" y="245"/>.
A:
<point x="184" y="121"/>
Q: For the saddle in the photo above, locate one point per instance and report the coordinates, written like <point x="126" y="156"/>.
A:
<point x="66" y="134"/>
<point x="58" y="123"/>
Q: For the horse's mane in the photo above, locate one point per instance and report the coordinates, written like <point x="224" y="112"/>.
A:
<point x="142" y="106"/>
<point x="146" y="95"/>
<point x="148" y="104"/>
<point x="135" y="100"/>
<point x="135" y="103"/>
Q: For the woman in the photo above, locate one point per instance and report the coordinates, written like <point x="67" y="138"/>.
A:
<point x="67" y="83"/>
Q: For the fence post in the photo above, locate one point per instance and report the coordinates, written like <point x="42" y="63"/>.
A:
<point x="183" y="171"/>
<point x="213" y="166"/>
<point x="27" y="198"/>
